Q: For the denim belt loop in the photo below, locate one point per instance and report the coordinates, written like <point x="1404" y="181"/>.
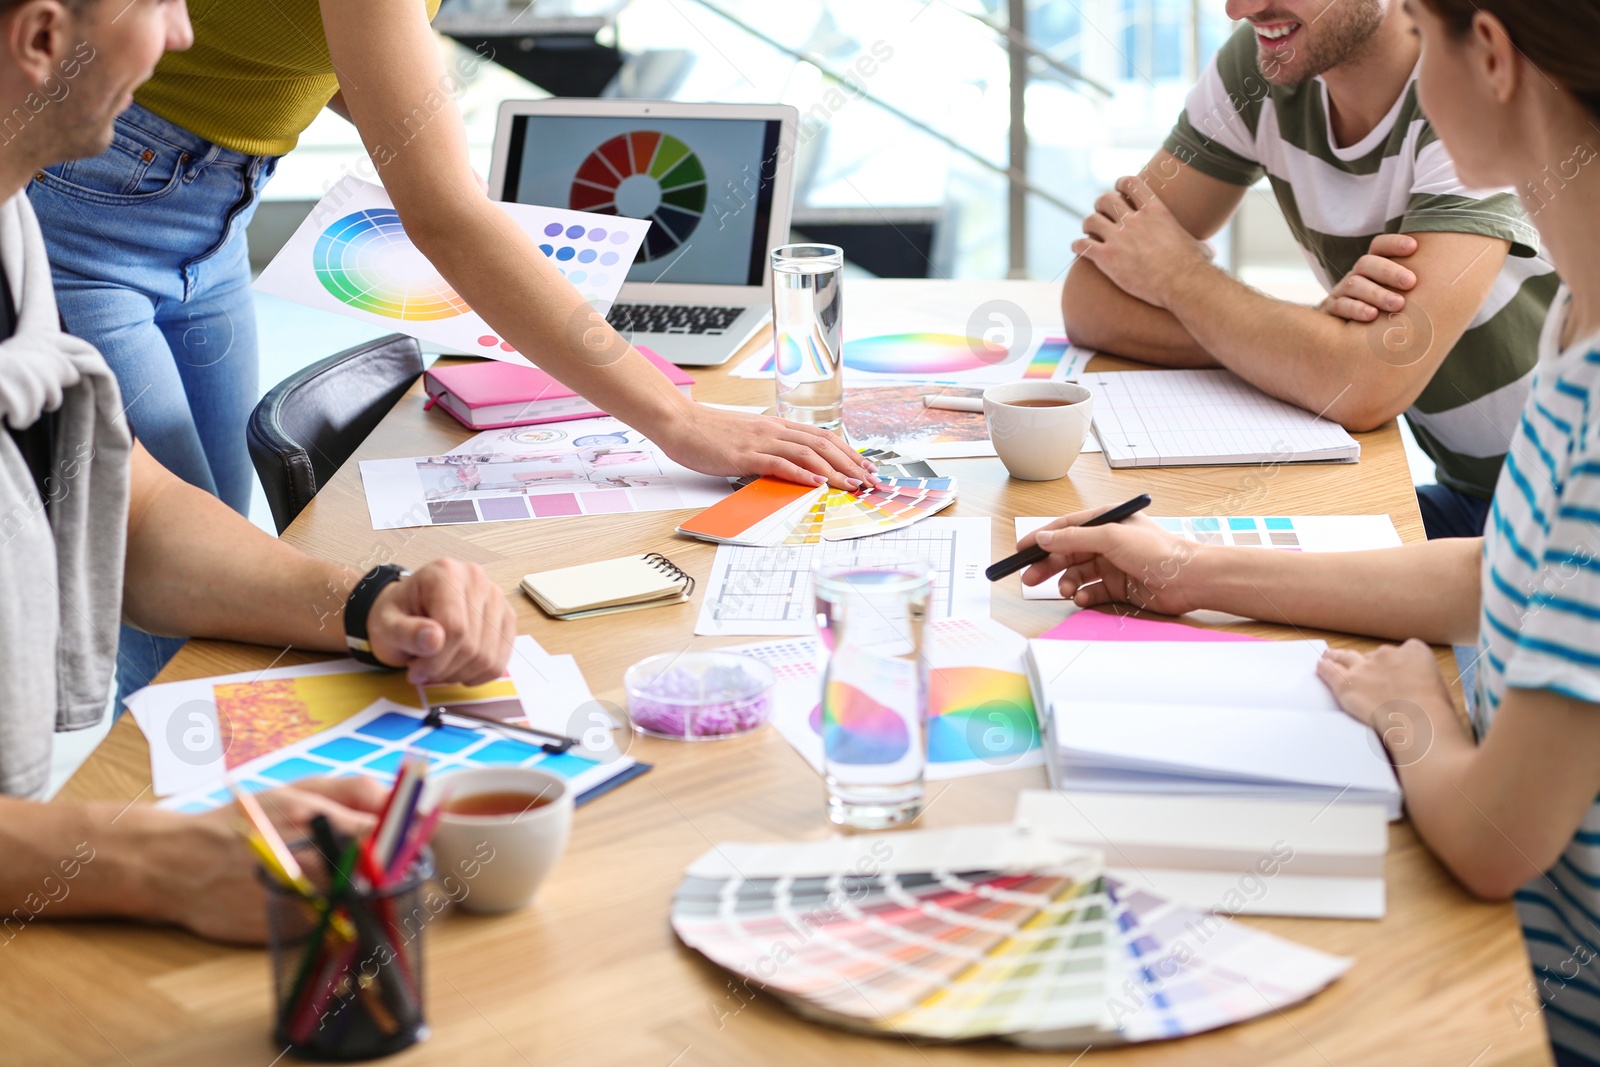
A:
<point x="199" y="164"/>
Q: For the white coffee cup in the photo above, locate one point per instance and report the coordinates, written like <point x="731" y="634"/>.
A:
<point x="499" y="861"/>
<point x="1038" y="444"/>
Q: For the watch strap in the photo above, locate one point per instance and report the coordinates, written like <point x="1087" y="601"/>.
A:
<point x="359" y="606"/>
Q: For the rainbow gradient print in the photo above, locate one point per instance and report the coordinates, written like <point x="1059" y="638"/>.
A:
<point x="366" y="260"/>
<point x="902" y="353"/>
<point x="1042" y="367"/>
<point x="859" y="730"/>
<point x="979" y="713"/>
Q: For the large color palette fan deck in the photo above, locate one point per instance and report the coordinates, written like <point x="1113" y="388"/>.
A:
<point x="980" y="931"/>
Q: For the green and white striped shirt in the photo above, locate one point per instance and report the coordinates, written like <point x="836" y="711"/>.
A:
<point x="1398" y="179"/>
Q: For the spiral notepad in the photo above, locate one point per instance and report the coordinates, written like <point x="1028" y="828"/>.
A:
<point x="623" y="584"/>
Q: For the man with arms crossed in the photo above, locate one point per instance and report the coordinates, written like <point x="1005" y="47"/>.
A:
<point x="93" y="531"/>
<point x="1320" y="95"/>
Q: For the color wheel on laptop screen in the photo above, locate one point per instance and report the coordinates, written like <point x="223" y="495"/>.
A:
<point x="645" y="175"/>
<point x="366" y="260"/>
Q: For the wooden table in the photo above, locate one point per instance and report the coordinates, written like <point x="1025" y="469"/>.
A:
<point x="592" y="974"/>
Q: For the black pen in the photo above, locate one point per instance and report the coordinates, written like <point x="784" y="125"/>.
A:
<point x="1029" y="556"/>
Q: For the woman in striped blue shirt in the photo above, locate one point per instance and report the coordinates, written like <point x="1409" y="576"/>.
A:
<point x="1513" y="89"/>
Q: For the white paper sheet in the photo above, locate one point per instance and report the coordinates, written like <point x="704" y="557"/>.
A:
<point x="768" y="591"/>
<point x="352" y="257"/>
<point x="1290" y="533"/>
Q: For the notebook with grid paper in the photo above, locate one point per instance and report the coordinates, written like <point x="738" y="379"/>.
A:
<point x="1192" y="418"/>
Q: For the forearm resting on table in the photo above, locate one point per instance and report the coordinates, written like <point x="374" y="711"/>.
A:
<point x="66" y="860"/>
<point x="1101" y="316"/>
<point x="1429" y="591"/>
<point x="197" y="568"/>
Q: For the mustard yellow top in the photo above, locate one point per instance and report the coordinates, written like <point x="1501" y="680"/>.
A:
<point x="258" y="74"/>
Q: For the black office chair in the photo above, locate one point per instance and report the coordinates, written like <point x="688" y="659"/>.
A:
<point x="311" y="422"/>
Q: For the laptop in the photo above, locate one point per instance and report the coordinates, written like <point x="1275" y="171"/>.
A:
<point x="715" y="181"/>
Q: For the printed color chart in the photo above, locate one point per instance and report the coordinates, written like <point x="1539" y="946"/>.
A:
<point x="1287" y="533"/>
<point x="981" y="717"/>
<point x="372" y="744"/>
<point x="352" y="256"/>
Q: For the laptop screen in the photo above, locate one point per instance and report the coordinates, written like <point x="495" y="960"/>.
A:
<point x="704" y="184"/>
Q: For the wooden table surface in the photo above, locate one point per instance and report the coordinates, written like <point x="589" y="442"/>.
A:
<point x="592" y="974"/>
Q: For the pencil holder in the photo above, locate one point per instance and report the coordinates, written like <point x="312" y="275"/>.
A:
<point x="347" y="963"/>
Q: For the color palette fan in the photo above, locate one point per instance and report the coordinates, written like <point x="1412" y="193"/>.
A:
<point x="770" y="512"/>
<point x="980" y="931"/>
<point x="648" y="175"/>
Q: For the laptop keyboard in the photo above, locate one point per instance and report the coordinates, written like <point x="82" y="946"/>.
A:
<point x="671" y="318"/>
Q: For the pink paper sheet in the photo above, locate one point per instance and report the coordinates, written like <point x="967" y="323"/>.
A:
<point x="1102" y="626"/>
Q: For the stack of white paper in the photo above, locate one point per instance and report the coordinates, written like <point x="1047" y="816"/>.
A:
<point x="1227" y="855"/>
<point x="1198" y="718"/>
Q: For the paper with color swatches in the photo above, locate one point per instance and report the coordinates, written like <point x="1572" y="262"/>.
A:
<point x="373" y="743"/>
<point x="352" y="256"/>
<point x="1286" y="533"/>
<point x="982" y="931"/>
<point x="981" y="717"/>
<point x="585" y="467"/>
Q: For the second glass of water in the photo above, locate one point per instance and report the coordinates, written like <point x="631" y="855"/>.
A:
<point x="874" y="707"/>
<point x="808" y="333"/>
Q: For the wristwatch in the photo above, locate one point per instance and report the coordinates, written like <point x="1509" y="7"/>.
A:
<point x="359" y="606"/>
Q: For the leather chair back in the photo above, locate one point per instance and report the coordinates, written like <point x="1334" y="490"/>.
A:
<point x="311" y="422"/>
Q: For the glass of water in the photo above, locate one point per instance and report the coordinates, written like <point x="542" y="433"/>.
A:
<point x="808" y="333"/>
<point x="875" y="690"/>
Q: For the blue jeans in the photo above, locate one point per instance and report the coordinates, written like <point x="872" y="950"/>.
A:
<point x="1448" y="512"/>
<point x="147" y="247"/>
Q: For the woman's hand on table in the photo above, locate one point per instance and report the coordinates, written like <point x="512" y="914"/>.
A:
<point x="1134" y="562"/>
<point x="447" y="622"/>
<point x="732" y="443"/>
<point x="1366" y="683"/>
<point x="202" y="874"/>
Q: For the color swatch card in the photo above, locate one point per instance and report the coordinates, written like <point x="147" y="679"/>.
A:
<point x="352" y="256"/>
<point x="372" y="743"/>
<point x="981" y="716"/>
<point x="202" y="728"/>
<point x="587" y="467"/>
<point x="770" y="511"/>
<point x="768" y="591"/>
<point x="1288" y="533"/>
<point x="1187" y="418"/>
<point x="954" y="332"/>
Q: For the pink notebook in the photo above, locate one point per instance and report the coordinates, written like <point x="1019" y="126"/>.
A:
<point x="1104" y="626"/>
<point x="493" y="394"/>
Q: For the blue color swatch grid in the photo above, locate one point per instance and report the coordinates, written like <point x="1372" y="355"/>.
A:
<point x="373" y="742"/>
<point x="1273" y="532"/>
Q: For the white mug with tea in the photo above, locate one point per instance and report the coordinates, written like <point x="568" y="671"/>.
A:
<point x="501" y="834"/>
<point x="1038" y="428"/>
